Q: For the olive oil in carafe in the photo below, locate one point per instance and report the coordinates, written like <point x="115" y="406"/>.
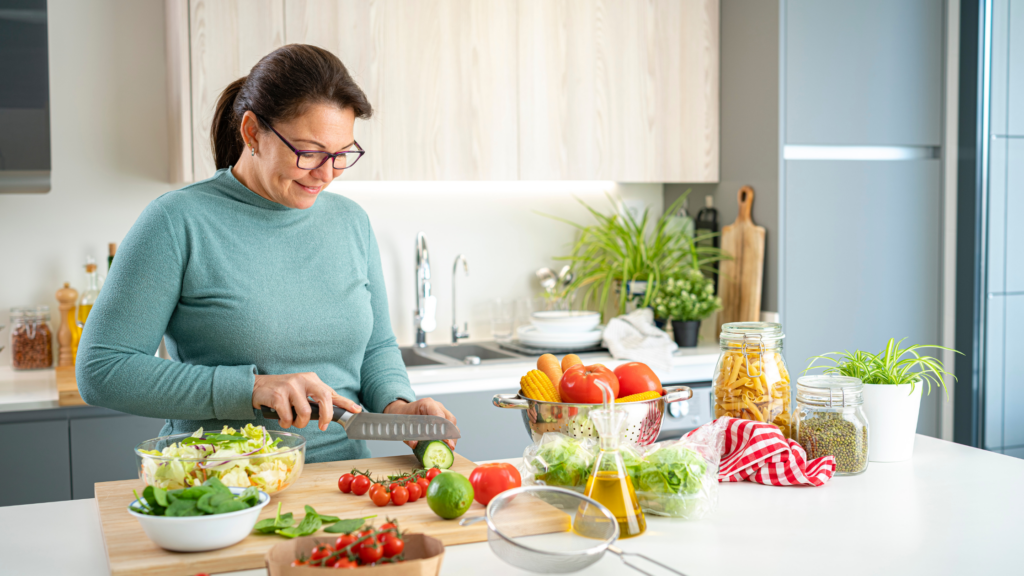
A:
<point x="614" y="490"/>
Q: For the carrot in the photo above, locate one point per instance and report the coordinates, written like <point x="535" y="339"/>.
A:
<point x="569" y="361"/>
<point x="548" y="364"/>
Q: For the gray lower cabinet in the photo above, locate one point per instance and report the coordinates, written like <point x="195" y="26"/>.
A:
<point x="43" y="471"/>
<point x="102" y="449"/>
<point x="488" y="433"/>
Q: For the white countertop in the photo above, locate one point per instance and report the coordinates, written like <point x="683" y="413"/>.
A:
<point x="949" y="510"/>
<point x="37" y="389"/>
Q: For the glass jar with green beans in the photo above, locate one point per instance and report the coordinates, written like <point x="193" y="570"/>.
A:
<point x="830" y="421"/>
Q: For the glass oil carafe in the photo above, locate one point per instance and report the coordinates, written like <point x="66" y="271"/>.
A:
<point x="609" y="483"/>
<point x="85" y="303"/>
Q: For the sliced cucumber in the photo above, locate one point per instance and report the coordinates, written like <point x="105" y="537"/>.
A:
<point x="434" y="454"/>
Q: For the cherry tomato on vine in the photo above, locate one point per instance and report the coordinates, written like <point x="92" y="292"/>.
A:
<point x="415" y="491"/>
<point x="399" y="496"/>
<point x="392" y="545"/>
<point x="295" y="563"/>
<point x="393" y="485"/>
<point x="371" y="553"/>
<point x="321" y="551"/>
<point x="432" y="473"/>
<point x="424" y="484"/>
<point x="345" y="482"/>
<point x="360" y="484"/>
<point x="345" y="562"/>
<point x="379" y="495"/>
<point x="344" y="540"/>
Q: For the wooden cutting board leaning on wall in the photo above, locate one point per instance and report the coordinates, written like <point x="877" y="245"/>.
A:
<point x="739" y="282"/>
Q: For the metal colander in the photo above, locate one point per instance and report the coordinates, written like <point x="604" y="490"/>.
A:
<point x="509" y="517"/>
<point x="642" y="426"/>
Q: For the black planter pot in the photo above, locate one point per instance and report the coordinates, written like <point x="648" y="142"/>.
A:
<point x="686" y="333"/>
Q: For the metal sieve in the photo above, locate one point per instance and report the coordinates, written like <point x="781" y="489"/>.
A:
<point x="508" y="515"/>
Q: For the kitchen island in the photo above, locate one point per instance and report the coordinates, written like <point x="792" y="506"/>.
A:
<point x="949" y="510"/>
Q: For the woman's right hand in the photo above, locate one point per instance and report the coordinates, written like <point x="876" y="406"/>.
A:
<point x="284" y="391"/>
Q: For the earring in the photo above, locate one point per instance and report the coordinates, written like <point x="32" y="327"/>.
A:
<point x="253" y="150"/>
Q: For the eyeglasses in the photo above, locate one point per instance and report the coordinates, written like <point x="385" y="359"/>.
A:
<point x="313" y="159"/>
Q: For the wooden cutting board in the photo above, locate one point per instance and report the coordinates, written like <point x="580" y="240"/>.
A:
<point x="739" y="282"/>
<point x="129" y="551"/>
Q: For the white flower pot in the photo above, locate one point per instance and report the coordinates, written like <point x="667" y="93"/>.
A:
<point x="892" y="420"/>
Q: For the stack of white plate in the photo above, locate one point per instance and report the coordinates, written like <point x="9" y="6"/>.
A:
<point x="562" y="330"/>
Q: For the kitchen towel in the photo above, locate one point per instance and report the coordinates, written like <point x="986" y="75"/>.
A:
<point x="758" y="452"/>
<point x="634" y="336"/>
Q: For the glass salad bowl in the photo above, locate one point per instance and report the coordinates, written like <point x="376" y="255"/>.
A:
<point x="251" y="456"/>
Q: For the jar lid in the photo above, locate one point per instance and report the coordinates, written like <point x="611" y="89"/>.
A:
<point x="30" y="313"/>
<point x="752" y="332"/>
<point x="830" y="390"/>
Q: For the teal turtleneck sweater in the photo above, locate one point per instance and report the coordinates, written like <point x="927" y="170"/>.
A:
<point x="239" y="285"/>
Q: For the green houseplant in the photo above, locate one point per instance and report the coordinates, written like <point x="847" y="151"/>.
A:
<point x="623" y="257"/>
<point x="686" y="299"/>
<point x="893" y="381"/>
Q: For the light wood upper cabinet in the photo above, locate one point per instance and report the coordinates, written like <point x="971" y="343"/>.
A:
<point x="623" y="90"/>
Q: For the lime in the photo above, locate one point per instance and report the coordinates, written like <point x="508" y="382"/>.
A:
<point x="449" y="495"/>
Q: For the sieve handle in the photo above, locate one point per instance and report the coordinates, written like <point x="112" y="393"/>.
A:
<point x="471" y="521"/>
<point x="622" y="556"/>
<point x="510" y="401"/>
<point x="677" y="393"/>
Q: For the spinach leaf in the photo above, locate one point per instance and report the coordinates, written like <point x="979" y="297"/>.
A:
<point x="182" y="507"/>
<point x="270" y="525"/>
<point x="216" y="485"/>
<point x="161" y="496"/>
<point x="310" y="524"/>
<point x="347" y="526"/>
<point x="212" y="439"/>
<point x="323" y="519"/>
<point x="195" y="492"/>
<point x="251" y="496"/>
<point x="223" y="506"/>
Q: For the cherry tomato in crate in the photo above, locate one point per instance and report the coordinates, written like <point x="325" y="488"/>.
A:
<point x="371" y="553"/>
<point x="392" y="546"/>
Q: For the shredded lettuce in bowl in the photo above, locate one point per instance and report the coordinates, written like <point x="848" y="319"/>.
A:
<point x="247" y="457"/>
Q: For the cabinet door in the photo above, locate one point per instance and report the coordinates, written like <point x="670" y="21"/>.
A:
<point x="37" y="468"/>
<point x="488" y="433"/>
<point x="618" y="90"/>
<point x="440" y="74"/>
<point x="226" y="37"/>
<point x="103" y="449"/>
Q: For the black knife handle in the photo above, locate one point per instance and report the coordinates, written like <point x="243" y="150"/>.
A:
<point x="270" y="413"/>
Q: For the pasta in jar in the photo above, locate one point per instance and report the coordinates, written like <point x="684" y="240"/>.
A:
<point x="751" y="379"/>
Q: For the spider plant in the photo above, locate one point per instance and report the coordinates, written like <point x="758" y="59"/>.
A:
<point x="890" y="366"/>
<point x="619" y="249"/>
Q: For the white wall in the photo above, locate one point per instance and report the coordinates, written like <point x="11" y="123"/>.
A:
<point x="109" y="146"/>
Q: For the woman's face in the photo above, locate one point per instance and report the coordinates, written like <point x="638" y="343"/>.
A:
<point x="272" y="171"/>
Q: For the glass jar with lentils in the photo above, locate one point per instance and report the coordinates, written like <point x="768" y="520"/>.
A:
<point x="830" y="420"/>
<point x="31" y="338"/>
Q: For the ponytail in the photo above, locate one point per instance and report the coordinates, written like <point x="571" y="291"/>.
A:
<point x="279" y="87"/>
<point x="225" y="139"/>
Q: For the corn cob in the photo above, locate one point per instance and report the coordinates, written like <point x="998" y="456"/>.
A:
<point x="649" y="395"/>
<point x="538" y="386"/>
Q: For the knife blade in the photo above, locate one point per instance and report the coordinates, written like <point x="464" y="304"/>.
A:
<point x="371" y="426"/>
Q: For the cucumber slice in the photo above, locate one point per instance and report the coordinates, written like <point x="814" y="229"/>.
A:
<point x="434" y="454"/>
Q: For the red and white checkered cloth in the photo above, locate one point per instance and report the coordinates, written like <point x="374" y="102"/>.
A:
<point x="758" y="452"/>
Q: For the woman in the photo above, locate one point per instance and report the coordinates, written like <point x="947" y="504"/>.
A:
<point x="265" y="292"/>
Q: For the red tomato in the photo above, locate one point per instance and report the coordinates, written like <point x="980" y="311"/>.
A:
<point x="579" y="384"/>
<point x="295" y="563"/>
<point x="424" y="484"/>
<point x="432" y="473"/>
<point x="399" y="496"/>
<point x="344" y="562"/>
<point x="321" y="551"/>
<point x="636" y="377"/>
<point x="392" y="545"/>
<point x="415" y="491"/>
<point x="345" y="482"/>
<point x="388" y="526"/>
<point x="379" y="495"/>
<point x="360" y="484"/>
<point x="371" y="553"/>
<point x="489" y="480"/>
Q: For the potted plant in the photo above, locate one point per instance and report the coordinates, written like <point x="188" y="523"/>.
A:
<point x="893" y="380"/>
<point x="686" y="299"/>
<point x="625" y="258"/>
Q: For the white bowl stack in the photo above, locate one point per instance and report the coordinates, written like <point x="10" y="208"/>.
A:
<point x="562" y="330"/>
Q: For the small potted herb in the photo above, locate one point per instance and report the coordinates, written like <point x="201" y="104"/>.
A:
<point x="893" y="380"/>
<point x="686" y="299"/>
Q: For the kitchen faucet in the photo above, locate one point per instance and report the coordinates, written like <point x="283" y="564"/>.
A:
<point x="456" y="334"/>
<point x="426" y="304"/>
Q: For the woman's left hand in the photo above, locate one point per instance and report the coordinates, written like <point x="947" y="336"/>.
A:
<point x="422" y="407"/>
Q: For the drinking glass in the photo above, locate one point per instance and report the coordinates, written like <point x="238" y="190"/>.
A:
<point x="503" y="316"/>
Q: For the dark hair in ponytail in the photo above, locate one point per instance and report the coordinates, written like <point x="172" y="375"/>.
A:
<point x="280" y="87"/>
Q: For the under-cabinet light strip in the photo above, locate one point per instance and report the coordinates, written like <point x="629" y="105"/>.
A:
<point x="800" y="152"/>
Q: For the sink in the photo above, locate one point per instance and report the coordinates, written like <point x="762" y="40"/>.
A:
<point x="411" y="358"/>
<point x="460" y="352"/>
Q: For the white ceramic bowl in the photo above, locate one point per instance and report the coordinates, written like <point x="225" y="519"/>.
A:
<point x="565" y="321"/>
<point x="200" y="533"/>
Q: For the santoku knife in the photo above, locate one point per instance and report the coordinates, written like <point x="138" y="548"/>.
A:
<point x="371" y="426"/>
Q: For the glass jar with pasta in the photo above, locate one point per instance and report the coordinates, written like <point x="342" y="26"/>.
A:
<point x="751" y="379"/>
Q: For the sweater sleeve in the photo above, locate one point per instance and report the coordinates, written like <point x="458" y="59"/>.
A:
<point x="383" y="378"/>
<point x="115" y="366"/>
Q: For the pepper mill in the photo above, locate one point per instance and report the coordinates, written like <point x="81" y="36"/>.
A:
<point x="67" y="297"/>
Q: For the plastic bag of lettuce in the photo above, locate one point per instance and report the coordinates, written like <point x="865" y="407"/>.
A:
<point x="559" y="460"/>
